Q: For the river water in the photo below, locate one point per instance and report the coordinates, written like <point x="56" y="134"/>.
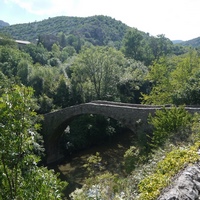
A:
<point x="111" y="151"/>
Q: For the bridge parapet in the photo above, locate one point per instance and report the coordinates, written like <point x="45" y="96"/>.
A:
<point x="124" y="104"/>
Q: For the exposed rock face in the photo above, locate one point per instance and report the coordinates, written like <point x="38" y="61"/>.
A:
<point x="186" y="186"/>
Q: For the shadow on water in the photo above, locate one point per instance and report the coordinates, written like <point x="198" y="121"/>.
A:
<point x="112" y="151"/>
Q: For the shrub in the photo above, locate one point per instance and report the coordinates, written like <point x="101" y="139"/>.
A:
<point x="170" y="123"/>
<point x="131" y="158"/>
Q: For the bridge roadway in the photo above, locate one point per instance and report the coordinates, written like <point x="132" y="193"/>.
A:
<point x="130" y="115"/>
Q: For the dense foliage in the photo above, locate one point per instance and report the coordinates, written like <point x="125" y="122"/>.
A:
<point x="77" y="60"/>
<point x="96" y="72"/>
<point x="170" y="123"/>
<point x="98" y="30"/>
<point x="20" y="176"/>
<point x="174" y="80"/>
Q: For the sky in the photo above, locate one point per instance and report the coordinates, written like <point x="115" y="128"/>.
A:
<point x="176" y="19"/>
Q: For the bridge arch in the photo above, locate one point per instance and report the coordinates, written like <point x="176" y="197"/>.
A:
<point x="55" y="122"/>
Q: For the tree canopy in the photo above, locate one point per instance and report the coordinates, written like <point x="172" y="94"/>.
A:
<point x="174" y="80"/>
<point x="98" y="30"/>
<point x="96" y="71"/>
<point x="20" y="176"/>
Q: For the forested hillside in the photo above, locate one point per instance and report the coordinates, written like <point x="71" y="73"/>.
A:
<point x="99" y="30"/>
<point x="192" y="43"/>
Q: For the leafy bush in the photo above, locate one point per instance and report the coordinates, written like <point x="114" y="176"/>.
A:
<point x="131" y="158"/>
<point x="170" y="123"/>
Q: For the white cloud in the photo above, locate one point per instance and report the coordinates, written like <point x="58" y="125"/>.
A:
<point x="45" y="7"/>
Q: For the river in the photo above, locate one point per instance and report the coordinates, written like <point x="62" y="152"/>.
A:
<point x="111" y="151"/>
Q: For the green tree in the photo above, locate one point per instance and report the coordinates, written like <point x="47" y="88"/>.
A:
<point x="96" y="72"/>
<point x="47" y="40"/>
<point x="24" y="69"/>
<point x="62" y="39"/>
<point x="62" y="95"/>
<point x="74" y="41"/>
<point x="55" y="50"/>
<point x="159" y="77"/>
<point x="55" y="55"/>
<point x="174" y="79"/>
<point x="20" y="175"/>
<point x="7" y="41"/>
<point x="132" y="47"/>
<point x="38" y="53"/>
<point x="145" y="48"/>
<point x="44" y="81"/>
<point x="160" y="46"/>
<point x="186" y="69"/>
<point x="67" y="52"/>
<point x="10" y="58"/>
<point x="132" y="83"/>
<point x="172" y="124"/>
<point x="191" y="93"/>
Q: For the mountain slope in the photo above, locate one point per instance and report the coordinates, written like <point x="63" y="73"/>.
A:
<point x="3" y="24"/>
<point x="177" y="41"/>
<point x="99" y="30"/>
<point x="193" y="43"/>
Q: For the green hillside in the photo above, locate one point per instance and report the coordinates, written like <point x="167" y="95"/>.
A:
<point x="99" y="30"/>
<point x="177" y="41"/>
<point x="193" y="43"/>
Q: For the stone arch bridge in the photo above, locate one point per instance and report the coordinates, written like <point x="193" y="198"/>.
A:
<point x="130" y="115"/>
